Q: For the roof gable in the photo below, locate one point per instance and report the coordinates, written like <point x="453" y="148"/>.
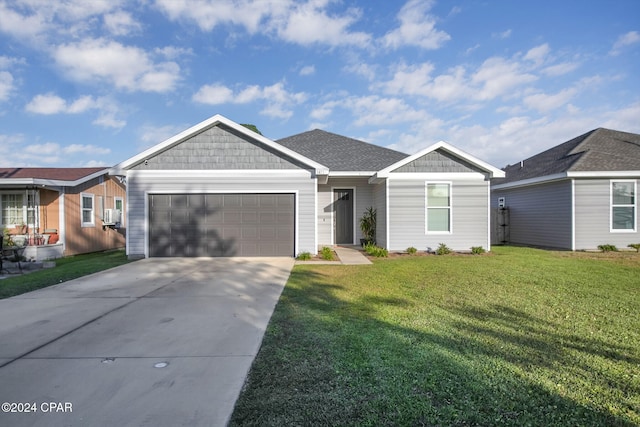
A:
<point x="217" y="120"/>
<point x="219" y="148"/>
<point x="441" y="157"/>
<point x="341" y="153"/>
<point x="600" y="150"/>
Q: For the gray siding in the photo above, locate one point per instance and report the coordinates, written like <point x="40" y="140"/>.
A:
<point x="438" y="161"/>
<point x="407" y="215"/>
<point x="219" y="148"/>
<point x="380" y="203"/>
<point x="139" y="185"/>
<point x="593" y="220"/>
<point x="539" y="215"/>
<point x="363" y="199"/>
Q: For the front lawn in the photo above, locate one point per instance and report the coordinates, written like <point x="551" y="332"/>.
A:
<point x="66" y="268"/>
<point x="516" y="337"/>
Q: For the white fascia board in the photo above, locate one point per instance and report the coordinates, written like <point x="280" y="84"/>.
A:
<point x="472" y="176"/>
<point x="210" y="122"/>
<point x="493" y="171"/>
<point x="351" y="173"/>
<point x="604" y="174"/>
<point x="530" y="181"/>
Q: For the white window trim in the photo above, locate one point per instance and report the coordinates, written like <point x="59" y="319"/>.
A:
<point x="634" y="206"/>
<point x="93" y="210"/>
<point x="426" y="208"/>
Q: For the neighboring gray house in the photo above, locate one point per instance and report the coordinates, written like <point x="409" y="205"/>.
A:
<point x="577" y="195"/>
<point x="220" y="189"/>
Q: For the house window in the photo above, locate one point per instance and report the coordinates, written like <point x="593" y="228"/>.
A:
<point x="12" y="210"/>
<point x="438" y="208"/>
<point x="87" y="204"/>
<point x="623" y="205"/>
<point x="117" y="204"/>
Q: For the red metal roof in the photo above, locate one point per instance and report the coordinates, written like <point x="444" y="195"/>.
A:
<point x="60" y="174"/>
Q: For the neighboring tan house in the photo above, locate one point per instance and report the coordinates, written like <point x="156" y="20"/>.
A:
<point x="577" y="195"/>
<point x="220" y="189"/>
<point x="61" y="211"/>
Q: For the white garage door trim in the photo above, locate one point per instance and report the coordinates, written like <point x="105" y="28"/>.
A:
<point x="175" y="191"/>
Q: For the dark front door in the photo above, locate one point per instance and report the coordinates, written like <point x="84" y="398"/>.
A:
<point x="343" y="216"/>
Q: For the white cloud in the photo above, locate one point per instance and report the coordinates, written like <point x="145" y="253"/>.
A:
<point x="560" y="69"/>
<point x="85" y="149"/>
<point x="503" y="35"/>
<point x="538" y="54"/>
<point x="307" y="70"/>
<point x="278" y="100"/>
<point x="628" y="39"/>
<point x="417" y="28"/>
<point x="121" y="23"/>
<point x="295" y="22"/>
<point x="6" y="85"/>
<point x="308" y="24"/>
<point x="21" y="26"/>
<point x="543" y="102"/>
<point x="50" y="103"/>
<point x="496" y="77"/>
<point x="126" y="67"/>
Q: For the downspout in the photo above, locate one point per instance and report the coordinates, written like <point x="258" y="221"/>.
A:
<point x="573" y="214"/>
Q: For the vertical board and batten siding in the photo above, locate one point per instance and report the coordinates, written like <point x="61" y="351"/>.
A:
<point x="539" y="215"/>
<point x="593" y="216"/>
<point x="380" y="204"/>
<point x="79" y="239"/>
<point x="363" y="199"/>
<point x="140" y="185"/>
<point x="407" y="213"/>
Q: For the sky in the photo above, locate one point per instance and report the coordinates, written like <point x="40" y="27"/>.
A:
<point x="95" y="82"/>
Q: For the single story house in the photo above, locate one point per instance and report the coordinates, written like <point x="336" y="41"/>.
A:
<point x="220" y="189"/>
<point x="577" y="195"/>
<point x="61" y="211"/>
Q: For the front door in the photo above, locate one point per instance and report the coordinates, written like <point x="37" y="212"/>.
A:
<point x="343" y="216"/>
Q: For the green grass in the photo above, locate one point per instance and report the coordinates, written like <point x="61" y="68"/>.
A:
<point x="514" y="338"/>
<point x="66" y="269"/>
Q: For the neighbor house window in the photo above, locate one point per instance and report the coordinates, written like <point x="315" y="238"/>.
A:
<point x="117" y="204"/>
<point x="87" y="203"/>
<point x="12" y="210"/>
<point x="623" y="205"/>
<point x="438" y="207"/>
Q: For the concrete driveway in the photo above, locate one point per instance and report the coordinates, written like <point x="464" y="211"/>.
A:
<point x="158" y="342"/>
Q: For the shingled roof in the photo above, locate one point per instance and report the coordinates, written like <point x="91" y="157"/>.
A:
<point x="599" y="150"/>
<point x="340" y="153"/>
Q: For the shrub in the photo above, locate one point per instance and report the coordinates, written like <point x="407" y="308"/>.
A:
<point x="443" y="249"/>
<point x="411" y="250"/>
<point x="303" y="256"/>
<point x="635" y="246"/>
<point x="327" y="254"/>
<point x="608" y="248"/>
<point x="477" y="250"/>
<point x="368" y="224"/>
<point x="376" y="251"/>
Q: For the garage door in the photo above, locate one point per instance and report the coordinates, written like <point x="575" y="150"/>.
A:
<point x="193" y="225"/>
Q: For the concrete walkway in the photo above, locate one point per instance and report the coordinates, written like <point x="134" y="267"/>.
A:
<point x="159" y="342"/>
<point x="347" y="255"/>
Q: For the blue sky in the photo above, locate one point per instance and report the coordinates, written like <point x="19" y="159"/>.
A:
<point x="94" y="82"/>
